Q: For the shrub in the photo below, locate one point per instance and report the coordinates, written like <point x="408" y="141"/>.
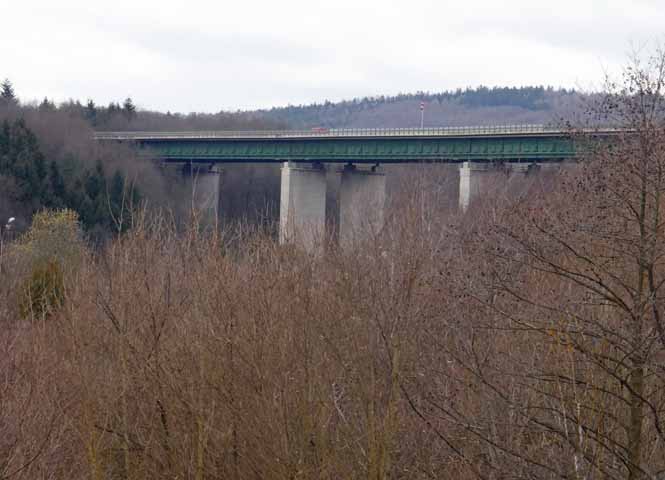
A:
<point x="44" y="292"/>
<point x="54" y="234"/>
<point x="49" y="253"/>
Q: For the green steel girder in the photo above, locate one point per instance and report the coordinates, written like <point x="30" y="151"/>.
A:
<point x="542" y="148"/>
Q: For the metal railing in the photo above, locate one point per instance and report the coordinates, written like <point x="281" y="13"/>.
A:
<point x="338" y="133"/>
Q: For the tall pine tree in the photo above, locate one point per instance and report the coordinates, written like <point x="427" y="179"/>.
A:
<point x="7" y="95"/>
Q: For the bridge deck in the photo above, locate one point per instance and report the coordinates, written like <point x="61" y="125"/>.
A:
<point x="519" y="143"/>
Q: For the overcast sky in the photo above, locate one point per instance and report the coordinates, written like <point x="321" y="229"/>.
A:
<point x="209" y="55"/>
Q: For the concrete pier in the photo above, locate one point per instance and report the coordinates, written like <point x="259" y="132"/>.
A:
<point x="302" y="208"/>
<point x="203" y="186"/>
<point x="509" y="178"/>
<point x="361" y="203"/>
<point x="474" y="178"/>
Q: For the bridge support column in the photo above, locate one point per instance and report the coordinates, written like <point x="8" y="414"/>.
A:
<point x="473" y="180"/>
<point x="203" y="184"/>
<point x="302" y="208"/>
<point x="361" y="204"/>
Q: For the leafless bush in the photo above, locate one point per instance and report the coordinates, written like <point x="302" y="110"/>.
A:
<point x="522" y="339"/>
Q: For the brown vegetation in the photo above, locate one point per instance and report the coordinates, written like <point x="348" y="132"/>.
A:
<point x="521" y="340"/>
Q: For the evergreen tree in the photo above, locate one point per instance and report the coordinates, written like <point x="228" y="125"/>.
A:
<point x="4" y="145"/>
<point x="91" y="112"/>
<point x="7" y="95"/>
<point x="128" y="109"/>
<point x="57" y="191"/>
<point x="23" y="160"/>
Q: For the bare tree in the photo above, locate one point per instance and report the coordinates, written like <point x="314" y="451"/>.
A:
<point x="559" y="371"/>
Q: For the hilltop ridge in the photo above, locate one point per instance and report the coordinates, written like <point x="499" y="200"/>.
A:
<point x="471" y="106"/>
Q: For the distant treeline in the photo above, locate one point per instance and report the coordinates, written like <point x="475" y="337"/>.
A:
<point x="534" y="102"/>
<point x="125" y="116"/>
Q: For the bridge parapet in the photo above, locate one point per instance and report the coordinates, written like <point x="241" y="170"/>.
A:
<point x="463" y="131"/>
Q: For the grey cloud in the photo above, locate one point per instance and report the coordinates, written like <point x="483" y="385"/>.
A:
<point x="194" y="46"/>
<point x="608" y="37"/>
<point x="186" y="64"/>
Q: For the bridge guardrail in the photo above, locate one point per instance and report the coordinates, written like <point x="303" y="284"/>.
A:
<point x="337" y="133"/>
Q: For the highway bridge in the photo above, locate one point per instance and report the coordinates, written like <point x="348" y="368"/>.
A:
<point x="511" y="143"/>
<point x="307" y="156"/>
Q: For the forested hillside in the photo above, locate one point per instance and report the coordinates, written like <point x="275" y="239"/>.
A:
<point x="29" y="181"/>
<point x="477" y="106"/>
<point x="50" y="160"/>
